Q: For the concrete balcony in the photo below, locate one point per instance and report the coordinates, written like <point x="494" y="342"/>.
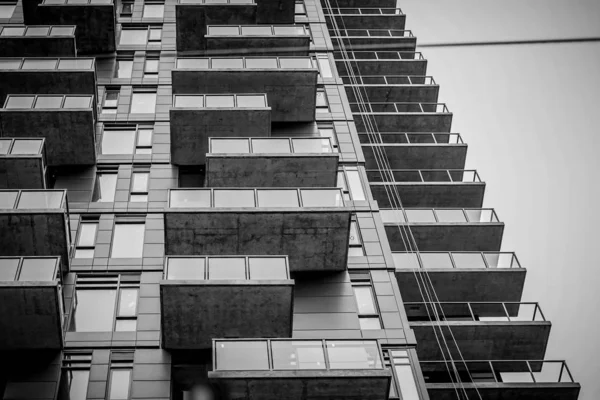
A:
<point x="495" y="380"/>
<point x="310" y="226"/>
<point x="443" y="229"/>
<point x="299" y="369"/>
<point x="94" y="19"/>
<point x="37" y="41"/>
<point x="271" y="162"/>
<point x="381" y="62"/>
<point x="47" y="76"/>
<point x="258" y="40"/>
<point x="391" y="88"/>
<point x="23" y="164"/>
<point x="290" y="83"/>
<point x="414" y="150"/>
<point x="460" y="276"/>
<point x="491" y="331"/>
<point x="192" y="17"/>
<point x="66" y="122"/>
<point x="35" y="223"/>
<point x="359" y="17"/>
<point x="373" y="39"/>
<point x="194" y="118"/>
<point x="31" y="303"/>
<point x="427" y="187"/>
<point x="226" y="296"/>
<point x="366" y="3"/>
<point x="403" y="117"/>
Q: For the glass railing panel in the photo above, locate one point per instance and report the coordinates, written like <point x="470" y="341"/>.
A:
<point x="512" y="371"/>
<point x="76" y="63"/>
<point x="353" y="354"/>
<point x="190" y="198"/>
<point x="40" y="199"/>
<point x="550" y="372"/>
<point x="295" y="62"/>
<point x="220" y="101"/>
<point x="227" y="63"/>
<point x="242" y="355"/>
<point x="278" y="198"/>
<point x="223" y="146"/>
<point x="271" y="146"/>
<point x="8" y="199"/>
<point x="298" y="355"/>
<point x="189" y="101"/>
<point x="10" y="63"/>
<point x="524" y="312"/>
<point x="268" y="268"/>
<point x="257" y="30"/>
<point x="19" y="102"/>
<point x="406" y="260"/>
<point x="39" y="63"/>
<point x="48" y="102"/>
<point x="468" y="260"/>
<point x="450" y="215"/>
<point x="421" y="138"/>
<point x="186" y="268"/>
<point x="250" y="101"/>
<point x="321" y="198"/>
<point x="38" y="269"/>
<point x="224" y="30"/>
<point x="77" y="102"/>
<point x="501" y="260"/>
<point x="234" y="198"/>
<point x="297" y="30"/>
<point x="5" y="146"/>
<point x="13" y="31"/>
<point x="8" y="269"/>
<point x="26" y="146"/>
<point x="227" y="268"/>
<point x="62" y="31"/>
<point x="192" y="63"/>
<point x="37" y="31"/>
<point x="312" y="145"/>
<point x="261" y="63"/>
<point x="481" y="215"/>
<point x="418" y="215"/>
<point x="436" y="260"/>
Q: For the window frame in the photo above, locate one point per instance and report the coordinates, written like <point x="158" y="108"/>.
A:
<point x="364" y="280"/>
<point x="95" y="220"/>
<point x="110" y="109"/>
<point x="127" y="220"/>
<point x="153" y="3"/>
<point x="137" y="146"/>
<point x="139" y="169"/>
<point x="105" y="170"/>
<point x="121" y="58"/>
<point x="150" y="39"/>
<point x="143" y="90"/>
<point x="151" y="73"/>
<point x="322" y="108"/>
<point x="388" y="362"/>
<point x="128" y="13"/>
<point x="120" y="360"/>
<point x="82" y="363"/>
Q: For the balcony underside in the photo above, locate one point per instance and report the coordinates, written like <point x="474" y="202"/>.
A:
<point x="313" y="240"/>
<point x="419" y="156"/>
<point x="38" y="46"/>
<point x="373" y="21"/>
<point x="427" y="195"/>
<point x="393" y="93"/>
<point x="504" y="391"/>
<point x="290" y="94"/>
<point x="449" y="237"/>
<point x="458" y="284"/>
<point x="483" y="340"/>
<point x="372" y="43"/>
<point x="23" y="173"/>
<point x="30" y="316"/>
<point x="381" y="67"/>
<point x="303" y="384"/>
<point x="257" y="46"/>
<point x="195" y="312"/>
<point x="405" y="122"/>
<point x="259" y="170"/>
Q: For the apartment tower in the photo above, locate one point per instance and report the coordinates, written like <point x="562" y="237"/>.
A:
<point x="246" y="200"/>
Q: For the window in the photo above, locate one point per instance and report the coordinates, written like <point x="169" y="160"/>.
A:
<point x="126" y="9"/>
<point x="123" y="68"/>
<point x="153" y="10"/>
<point x="355" y="248"/>
<point x="329" y="132"/>
<point x="86" y="238"/>
<point x="350" y="183"/>
<point x="7" y="10"/>
<point x="139" y="186"/>
<point x="322" y="104"/>
<point x="75" y="375"/>
<point x="140" y="35"/>
<point x="324" y="66"/>
<point x="106" y="186"/>
<point x="151" y="67"/>
<point x="143" y="101"/>
<point x="119" y="380"/>
<point x="127" y="139"/>
<point x="368" y="315"/>
<point x="403" y="385"/>
<point x="105" y="303"/>
<point x="299" y="9"/>
<point x="111" y="99"/>
<point x="128" y="238"/>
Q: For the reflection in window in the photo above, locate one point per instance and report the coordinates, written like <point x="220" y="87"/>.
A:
<point x="93" y="310"/>
<point x="111" y="99"/>
<point x="128" y="240"/>
<point x="117" y="141"/>
<point x="106" y="187"/>
<point x="75" y="376"/>
<point x="7" y="10"/>
<point x="322" y="106"/>
<point x="134" y="36"/>
<point x="368" y="315"/>
<point x="86" y="239"/>
<point x="151" y="67"/>
<point x="143" y="102"/>
<point x="123" y="69"/>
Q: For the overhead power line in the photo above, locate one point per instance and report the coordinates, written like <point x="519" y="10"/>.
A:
<point x="513" y="42"/>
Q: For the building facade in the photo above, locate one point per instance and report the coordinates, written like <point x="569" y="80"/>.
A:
<point x="246" y="199"/>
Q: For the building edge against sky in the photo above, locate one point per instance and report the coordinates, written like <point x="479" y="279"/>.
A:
<point x="246" y="200"/>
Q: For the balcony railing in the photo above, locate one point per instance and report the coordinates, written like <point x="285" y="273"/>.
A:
<point x="476" y="312"/>
<point x="270" y="145"/>
<point x="202" y="63"/>
<point x="220" y="101"/>
<point x="226" y="268"/>
<point x="391" y="80"/>
<point x="29" y="269"/>
<point x="21" y="147"/>
<point x="363" y="11"/>
<point x="497" y="371"/>
<point x="256" y="30"/>
<point x="428" y="175"/>
<point x="268" y="198"/>
<point x="76" y="2"/>
<point x="396" y="108"/>
<point x="61" y="64"/>
<point x="285" y="355"/>
<point x="439" y="215"/>
<point x="37" y="31"/>
<point x="422" y="138"/>
<point x="47" y="101"/>
<point x="454" y="259"/>
<point x="384" y="55"/>
<point x="32" y="199"/>
<point x="376" y="33"/>
<point x="216" y="2"/>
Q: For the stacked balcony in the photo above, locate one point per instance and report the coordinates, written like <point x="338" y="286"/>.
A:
<point x="381" y="62"/>
<point x="403" y="117"/>
<point x="38" y="41"/>
<point x="389" y="39"/>
<point x="23" y="164"/>
<point x="257" y="40"/>
<point x="356" y="18"/>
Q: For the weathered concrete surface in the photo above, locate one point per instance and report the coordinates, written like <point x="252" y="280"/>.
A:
<point x="270" y="170"/>
<point x="291" y="93"/>
<point x="192" y="20"/>
<point x="461" y="284"/>
<point x="69" y="134"/>
<point x="63" y="46"/>
<point x="258" y="45"/>
<point x="304" y="384"/>
<point x="406" y="122"/>
<point x="191" y="128"/>
<point x="275" y="11"/>
<point x="314" y="239"/>
<point x="484" y="340"/>
<point x="373" y="21"/>
<point x="427" y="195"/>
<point x="35" y="233"/>
<point x="389" y="43"/>
<point x="417" y="156"/>
<point x="506" y="391"/>
<point x="22" y="172"/>
<point x="30" y="316"/>
<point x="449" y="237"/>
<point x="393" y="93"/>
<point x="381" y="67"/>
<point x="195" y="312"/>
<point x="96" y="25"/>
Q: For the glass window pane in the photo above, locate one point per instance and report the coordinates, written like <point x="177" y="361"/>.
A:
<point x="242" y="355"/>
<point x="234" y="198"/>
<point x="126" y="325"/>
<point x="450" y="215"/>
<point x="295" y="62"/>
<point x="155" y="34"/>
<point x="19" y="102"/>
<point x="261" y="63"/>
<point x="369" y="323"/>
<point x="153" y="10"/>
<point x="128" y="241"/>
<point x="37" y="31"/>
<point x="224" y="63"/>
<point x="354" y="236"/>
<point x="256" y="30"/>
<point x="145" y="137"/>
<point x="94" y="311"/>
<point x="321" y="198"/>
<point x="267" y="268"/>
<point x="26" y="146"/>
<point x="278" y="198"/>
<point x="143" y="103"/>
<point x="321" y="99"/>
<point x="77" y="102"/>
<point x="38" y="269"/>
<point x="133" y="36"/>
<point x="192" y="63"/>
<point x="13" y="31"/>
<point x="271" y="146"/>
<point x="436" y="260"/>
<point x="189" y="101"/>
<point x="40" y="199"/>
<point x="223" y="146"/>
<point x="117" y="141"/>
<point x="11" y="63"/>
<point x="356" y="188"/>
<point x="325" y="67"/>
<point x="119" y="384"/>
<point x="190" y="198"/>
<point x="223" y="30"/>
<point x="151" y="66"/>
<point x="84" y="253"/>
<point x="87" y="234"/>
<point x="250" y="101"/>
<point x="5" y="145"/>
<point x="61" y="31"/>
<point x="78" y="383"/>
<point x="220" y="101"/>
<point x="48" y="102"/>
<point x="185" y="268"/>
<point x="297" y="354"/>
<point x="420" y="215"/>
<point x="353" y="354"/>
<point x="8" y="269"/>
<point x="226" y="268"/>
<point x="406" y="381"/>
<point x="140" y="181"/>
<point x="124" y="68"/>
<point x="364" y="300"/>
<point x="77" y="64"/>
<point x="355" y="252"/>
<point x="128" y="303"/>
<point x="313" y="145"/>
<point x="138" y="198"/>
<point x="107" y="186"/>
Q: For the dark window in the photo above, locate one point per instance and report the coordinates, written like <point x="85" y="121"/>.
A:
<point x="111" y="99"/>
